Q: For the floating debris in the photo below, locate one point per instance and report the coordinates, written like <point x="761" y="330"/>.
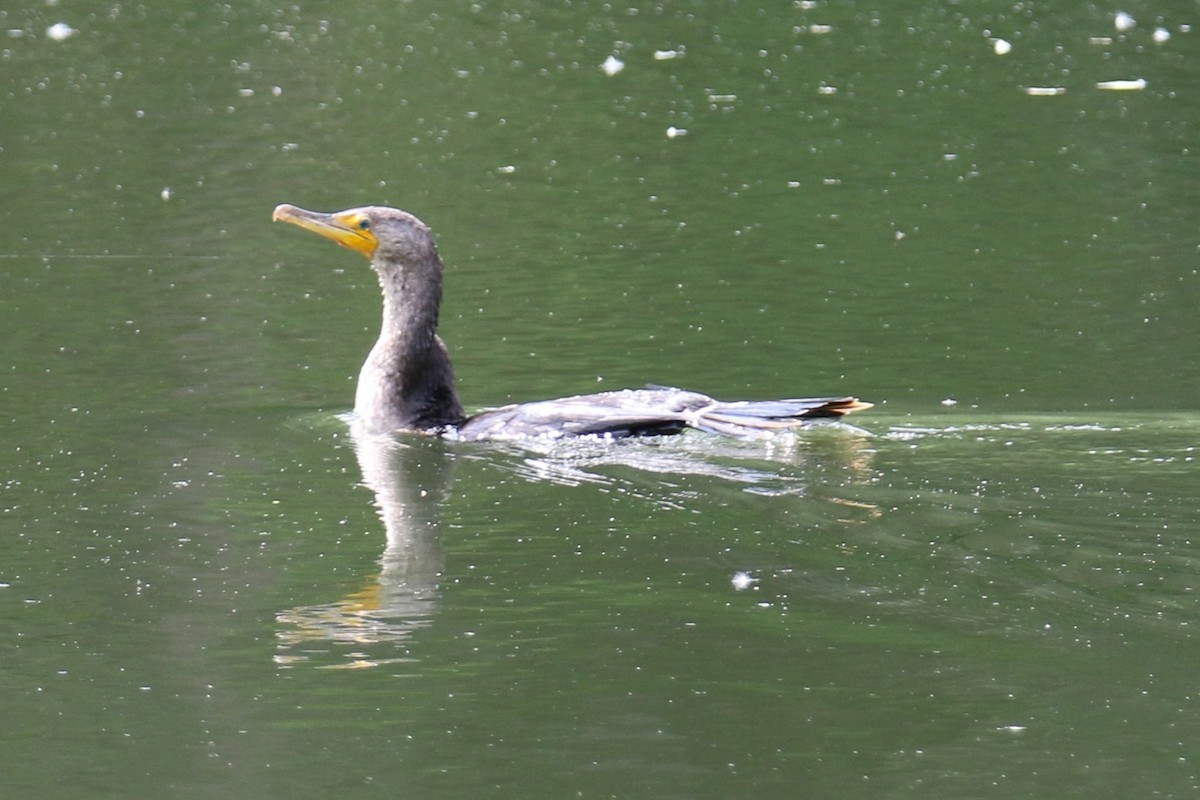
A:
<point x="675" y="133"/>
<point x="1123" y="86"/>
<point x="165" y="194"/>
<point x="949" y="402"/>
<point x="1002" y="47"/>
<point x="507" y="169"/>
<point x="60" y="31"/>
<point x="1100" y="40"/>
<point x="1124" y="21"/>
<point x="722" y="98"/>
<point x="612" y="65"/>
<point x="820" y="29"/>
<point x="1161" y="35"/>
<point x="1045" y="91"/>
<point x="667" y="55"/>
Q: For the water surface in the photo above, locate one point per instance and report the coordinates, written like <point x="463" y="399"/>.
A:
<point x="211" y="586"/>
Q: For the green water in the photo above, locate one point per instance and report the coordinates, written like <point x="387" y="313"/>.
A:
<point x="210" y="588"/>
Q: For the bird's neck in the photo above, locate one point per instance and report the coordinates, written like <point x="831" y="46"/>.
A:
<point x="407" y="381"/>
<point x="410" y="316"/>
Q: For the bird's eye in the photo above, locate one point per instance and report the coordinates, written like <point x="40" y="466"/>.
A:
<point x="364" y="224"/>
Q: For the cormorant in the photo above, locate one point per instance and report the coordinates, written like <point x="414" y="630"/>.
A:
<point x="407" y="382"/>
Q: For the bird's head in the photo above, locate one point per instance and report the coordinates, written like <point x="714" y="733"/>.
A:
<point x="382" y="234"/>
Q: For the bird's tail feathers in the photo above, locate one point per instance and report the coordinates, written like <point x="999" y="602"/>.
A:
<point x="762" y="418"/>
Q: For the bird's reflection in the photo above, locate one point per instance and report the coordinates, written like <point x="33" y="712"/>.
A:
<point x="410" y="475"/>
<point x="832" y="456"/>
<point x="408" y="478"/>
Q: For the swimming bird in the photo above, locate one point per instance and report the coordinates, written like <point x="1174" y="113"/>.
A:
<point x="407" y="381"/>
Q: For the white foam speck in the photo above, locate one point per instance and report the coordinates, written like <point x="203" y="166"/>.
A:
<point x="743" y="580"/>
<point x="60" y="31"/>
<point x="1045" y="91"/>
<point x="1123" y="85"/>
<point x="612" y="65"/>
